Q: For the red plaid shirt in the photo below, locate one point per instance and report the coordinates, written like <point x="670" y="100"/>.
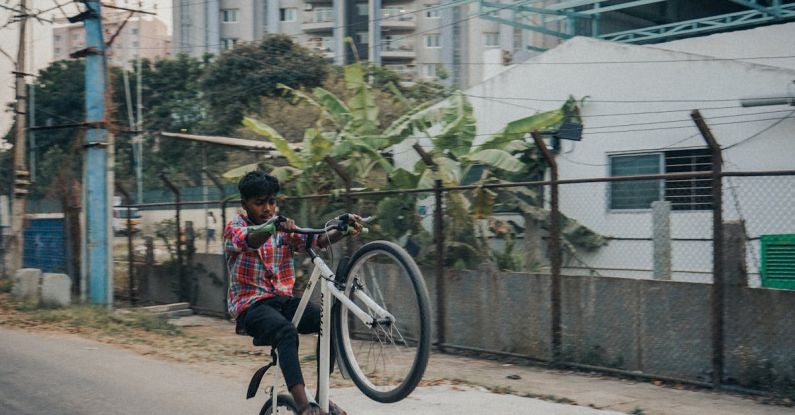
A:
<point x="255" y="274"/>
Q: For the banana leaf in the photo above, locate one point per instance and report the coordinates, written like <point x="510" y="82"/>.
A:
<point x="239" y="172"/>
<point x="274" y="137"/>
<point x="499" y="159"/>
<point x="363" y="110"/>
<point x="459" y="127"/>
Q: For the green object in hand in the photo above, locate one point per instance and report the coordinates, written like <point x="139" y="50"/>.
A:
<point x="267" y="228"/>
<point x="350" y="230"/>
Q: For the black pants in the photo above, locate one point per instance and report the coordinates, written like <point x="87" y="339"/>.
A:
<point x="269" y="322"/>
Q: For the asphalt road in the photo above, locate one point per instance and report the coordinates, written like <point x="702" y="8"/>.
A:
<point x="45" y="374"/>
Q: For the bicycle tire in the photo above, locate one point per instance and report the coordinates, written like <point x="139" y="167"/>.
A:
<point x="407" y="338"/>
<point x="286" y="406"/>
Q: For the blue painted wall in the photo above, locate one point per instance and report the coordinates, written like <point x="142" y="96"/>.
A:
<point x="45" y="245"/>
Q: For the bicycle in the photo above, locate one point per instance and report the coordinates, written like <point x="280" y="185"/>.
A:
<point x="380" y="302"/>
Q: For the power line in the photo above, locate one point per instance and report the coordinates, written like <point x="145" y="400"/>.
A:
<point x="615" y="101"/>
<point x="687" y="120"/>
<point x="690" y="126"/>
<point x="500" y="101"/>
<point x="743" y="141"/>
<point x="779" y="120"/>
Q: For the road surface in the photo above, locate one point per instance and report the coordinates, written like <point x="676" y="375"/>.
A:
<point x="58" y="374"/>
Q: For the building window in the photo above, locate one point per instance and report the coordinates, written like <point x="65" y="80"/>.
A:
<point x="228" y="43"/>
<point x="684" y="194"/>
<point x="429" y="70"/>
<point x="229" y="15"/>
<point x="432" y="40"/>
<point x="57" y="51"/>
<point x="288" y="14"/>
<point x="635" y="194"/>
<point x="321" y="15"/>
<point x="688" y="194"/>
<point x="134" y="31"/>
<point x="432" y="14"/>
<point x="57" y="38"/>
<point x="135" y="43"/>
<point x="362" y="38"/>
<point x="363" y="9"/>
<point x="491" y="39"/>
<point x="75" y="36"/>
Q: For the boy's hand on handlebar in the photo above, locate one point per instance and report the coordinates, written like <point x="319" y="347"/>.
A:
<point x="287" y="225"/>
<point x="354" y="224"/>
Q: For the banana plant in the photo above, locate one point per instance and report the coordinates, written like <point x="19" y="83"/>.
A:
<point x="348" y="131"/>
<point x="505" y="156"/>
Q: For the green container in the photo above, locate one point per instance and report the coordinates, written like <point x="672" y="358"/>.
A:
<point x="778" y="261"/>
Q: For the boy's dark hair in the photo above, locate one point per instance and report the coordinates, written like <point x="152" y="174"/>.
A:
<point x="257" y="183"/>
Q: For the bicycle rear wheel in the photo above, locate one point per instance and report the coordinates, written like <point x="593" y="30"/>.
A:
<point x="386" y="361"/>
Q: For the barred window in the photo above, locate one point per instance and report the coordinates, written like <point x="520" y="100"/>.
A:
<point x="684" y="194"/>
<point x="688" y="194"/>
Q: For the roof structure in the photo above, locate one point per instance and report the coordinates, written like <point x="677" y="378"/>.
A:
<point x="568" y="18"/>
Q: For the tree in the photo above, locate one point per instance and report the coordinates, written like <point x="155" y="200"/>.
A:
<point x="173" y="102"/>
<point x="235" y="82"/>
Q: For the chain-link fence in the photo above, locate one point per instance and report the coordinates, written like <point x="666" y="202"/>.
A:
<point x="632" y="294"/>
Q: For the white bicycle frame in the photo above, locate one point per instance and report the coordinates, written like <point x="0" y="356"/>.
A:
<point x="327" y="287"/>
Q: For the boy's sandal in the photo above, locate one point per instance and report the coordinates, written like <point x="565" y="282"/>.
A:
<point x="311" y="409"/>
<point x="333" y="409"/>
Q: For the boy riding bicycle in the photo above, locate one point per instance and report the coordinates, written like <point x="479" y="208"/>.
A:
<point x="262" y="276"/>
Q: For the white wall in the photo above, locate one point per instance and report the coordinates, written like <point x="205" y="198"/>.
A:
<point x="768" y="41"/>
<point x="636" y="82"/>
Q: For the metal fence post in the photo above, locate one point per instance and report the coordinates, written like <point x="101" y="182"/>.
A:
<point x="438" y="237"/>
<point x="717" y="250"/>
<point x="223" y="249"/>
<point x="222" y="190"/>
<point x="348" y="197"/>
<point x="181" y="276"/>
<point x="554" y="248"/>
<point x="130" y="256"/>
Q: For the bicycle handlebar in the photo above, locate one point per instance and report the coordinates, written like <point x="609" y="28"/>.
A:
<point x="342" y="225"/>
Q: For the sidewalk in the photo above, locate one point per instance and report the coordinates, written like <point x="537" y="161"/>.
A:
<point x="576" y="388"/>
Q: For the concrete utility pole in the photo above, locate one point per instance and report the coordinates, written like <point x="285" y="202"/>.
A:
<point x="21" y="174"/>
<point x="374" y="32"/>
<point x="98" y="169"/>
<point x="138" y="141"/>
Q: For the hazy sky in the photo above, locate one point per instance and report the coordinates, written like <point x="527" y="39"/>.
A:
<point x="40" y="40"/>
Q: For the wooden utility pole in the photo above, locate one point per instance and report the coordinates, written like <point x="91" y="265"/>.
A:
<point x="718" y="285"/>
<point x="21" y="174"/>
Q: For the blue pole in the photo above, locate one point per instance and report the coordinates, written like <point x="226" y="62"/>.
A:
<point x="96" y="248"/>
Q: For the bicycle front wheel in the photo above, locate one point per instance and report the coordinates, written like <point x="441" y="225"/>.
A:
<point x="386" y="360"/>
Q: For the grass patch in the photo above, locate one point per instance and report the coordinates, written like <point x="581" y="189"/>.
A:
<point x="550" y="398"/>
<point x="99" y="317"/>
<point x="6" y="285"/>
<point x="637" y="411"/>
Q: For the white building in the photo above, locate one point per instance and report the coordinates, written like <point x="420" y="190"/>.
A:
<point x="636" y="114"/>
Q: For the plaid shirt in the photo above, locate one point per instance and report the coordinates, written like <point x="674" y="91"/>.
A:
<point x="256" y="274"/>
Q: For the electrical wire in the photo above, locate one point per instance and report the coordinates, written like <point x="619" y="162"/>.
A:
<point x="745" y="140"/>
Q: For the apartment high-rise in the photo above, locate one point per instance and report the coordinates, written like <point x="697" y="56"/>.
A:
<point x="415" y="39"/>
<point x="146" y="37"/>
<point x="463" y="41"/>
